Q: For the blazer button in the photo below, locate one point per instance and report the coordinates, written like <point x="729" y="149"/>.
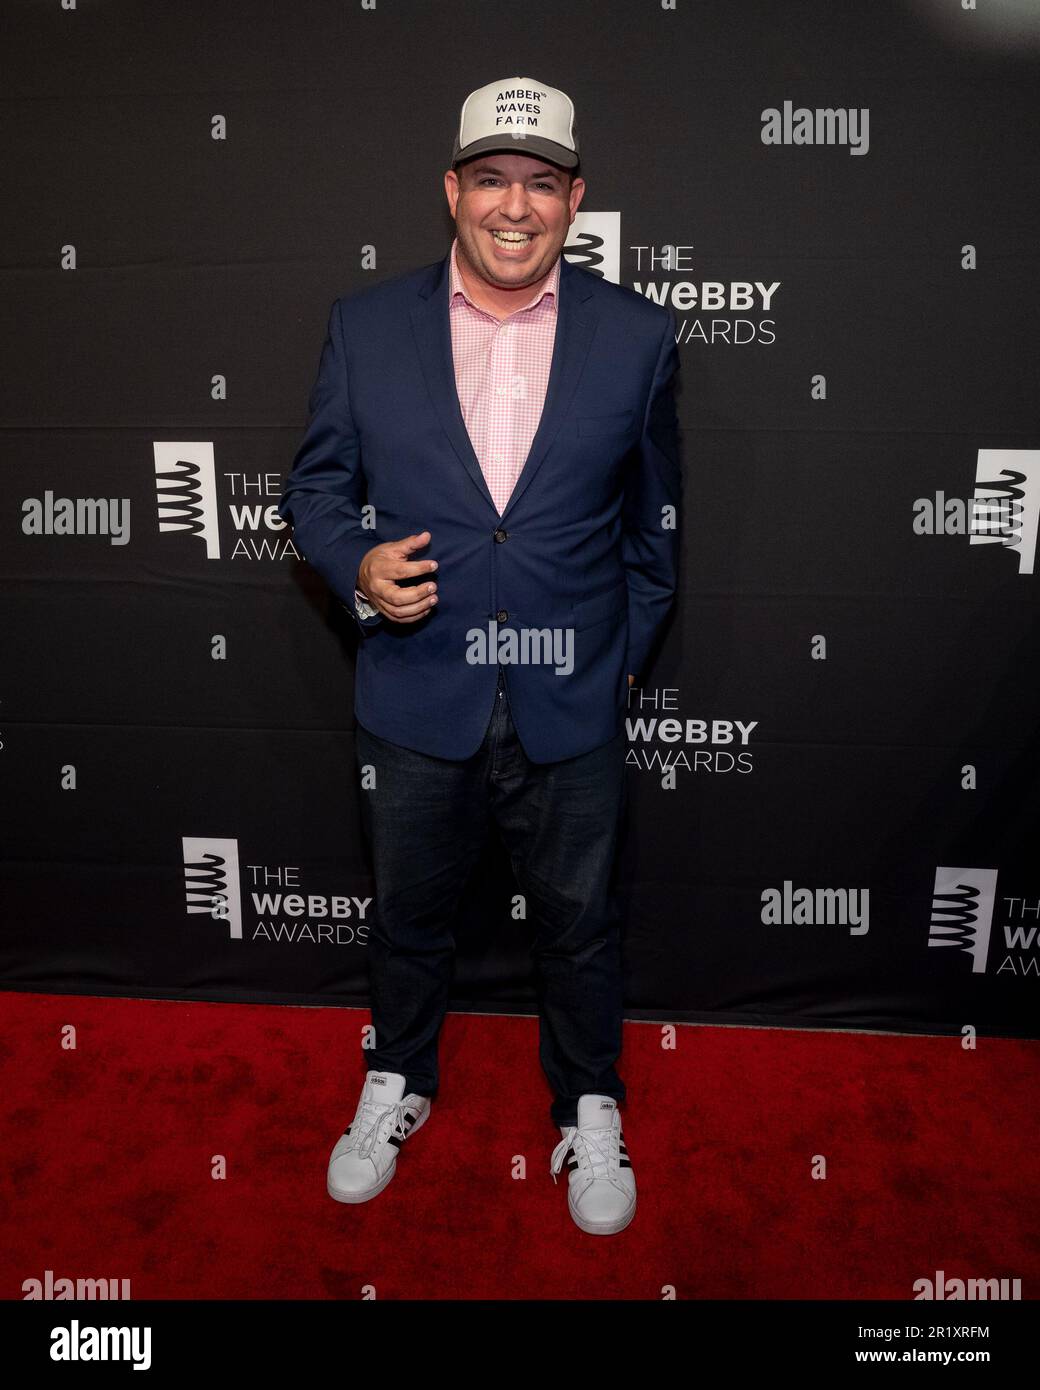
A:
<point x="502" y="615"/>
<point x="500" y="536"/>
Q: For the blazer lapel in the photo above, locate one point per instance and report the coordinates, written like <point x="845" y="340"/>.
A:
<point x="432" y="328"/>
<point x="575" y="323"/>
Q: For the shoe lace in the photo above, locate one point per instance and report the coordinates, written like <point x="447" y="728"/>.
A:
<point x="597" y="1150"/>
<point x="369" y="1127"/>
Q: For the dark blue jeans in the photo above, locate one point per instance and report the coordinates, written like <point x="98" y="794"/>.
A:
<point x="427" y="821"/>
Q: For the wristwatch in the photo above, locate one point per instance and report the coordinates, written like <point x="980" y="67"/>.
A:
<point x="364" y="608"/>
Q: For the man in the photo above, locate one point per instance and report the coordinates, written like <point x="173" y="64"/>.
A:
<point x="489" y="480"/>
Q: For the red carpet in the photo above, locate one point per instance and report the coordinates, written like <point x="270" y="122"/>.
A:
<point x="931" y="1161"/>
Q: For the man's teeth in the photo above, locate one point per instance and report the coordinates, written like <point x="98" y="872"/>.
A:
<point x="511" y="238"/>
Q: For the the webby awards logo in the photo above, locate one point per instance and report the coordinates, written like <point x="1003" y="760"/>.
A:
<point x="987" y="932"/>
<point x="275" y="906"/>
<point x="190" y="504"/>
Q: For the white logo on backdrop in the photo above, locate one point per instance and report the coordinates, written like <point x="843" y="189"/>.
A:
<point x="186" y="491"/>
<point x="211" y="881"/>
<point x="962" y="912"/>
<point x="1007" y="496"/>
<point x="278" y="907"/>
<point x="594" y="243"/>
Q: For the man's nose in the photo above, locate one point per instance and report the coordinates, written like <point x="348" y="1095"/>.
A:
<point x="515" y="202"/>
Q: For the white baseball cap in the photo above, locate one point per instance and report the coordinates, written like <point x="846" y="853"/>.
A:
<point x="520" y="115"/>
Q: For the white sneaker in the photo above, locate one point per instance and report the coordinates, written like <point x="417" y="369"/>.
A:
<point x="601" y="1186"/>
<point x="365" y="1157"/>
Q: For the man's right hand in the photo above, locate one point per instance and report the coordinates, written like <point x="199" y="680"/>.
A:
<point x="383" y="565"/>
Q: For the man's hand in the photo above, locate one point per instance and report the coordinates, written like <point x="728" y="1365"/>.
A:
<point x="631" y="682"/>
<point x="383" y="565"/>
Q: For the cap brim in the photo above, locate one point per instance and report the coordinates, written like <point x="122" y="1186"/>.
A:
<point x="535" y="145"/>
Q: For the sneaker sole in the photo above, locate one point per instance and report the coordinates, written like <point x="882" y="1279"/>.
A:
<point x="600" y="1229"/>
<point x="353" y="1198"/>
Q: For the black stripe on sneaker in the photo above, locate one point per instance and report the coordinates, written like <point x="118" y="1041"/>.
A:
<point x="624" y="1163"/>
<point x="393" y="1139"/>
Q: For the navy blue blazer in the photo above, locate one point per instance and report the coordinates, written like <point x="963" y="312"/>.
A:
<point x="569" y="587"/>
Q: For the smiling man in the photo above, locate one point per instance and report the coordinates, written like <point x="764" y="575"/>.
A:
<point x="489" y="481"/>
<point x="512" y="214"/>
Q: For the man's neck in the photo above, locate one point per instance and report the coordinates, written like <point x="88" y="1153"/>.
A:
<point x="500" y="302"/>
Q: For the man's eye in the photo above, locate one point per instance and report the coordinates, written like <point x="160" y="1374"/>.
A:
<point x="490" y="178"/>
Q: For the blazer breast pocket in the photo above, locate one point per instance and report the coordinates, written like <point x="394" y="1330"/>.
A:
<point x="617" y="423"/>
<point x="612" y="604"/>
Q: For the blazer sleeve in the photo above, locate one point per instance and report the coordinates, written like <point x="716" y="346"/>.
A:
<point x="653" y="492"/>
<point x="325" y="490"/>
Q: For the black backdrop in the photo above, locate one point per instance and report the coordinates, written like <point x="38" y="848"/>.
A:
<point x="189" y="186"/>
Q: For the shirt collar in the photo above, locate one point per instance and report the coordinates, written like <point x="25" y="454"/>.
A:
<point x="551" y="287"/>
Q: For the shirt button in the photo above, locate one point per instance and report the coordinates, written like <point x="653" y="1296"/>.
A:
<point x="501" y="535"/>
<point x="502" y="615"/>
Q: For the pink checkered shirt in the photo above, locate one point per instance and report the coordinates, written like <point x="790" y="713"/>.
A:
<point x="501" y="375"/>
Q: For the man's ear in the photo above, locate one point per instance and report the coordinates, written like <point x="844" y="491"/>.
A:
<point x="452" y="189"/>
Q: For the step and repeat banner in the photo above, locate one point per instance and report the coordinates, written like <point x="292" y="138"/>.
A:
<point x="833" y="757"/>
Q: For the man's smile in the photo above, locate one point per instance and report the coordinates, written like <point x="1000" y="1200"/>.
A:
<point x="511" y="243"/>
